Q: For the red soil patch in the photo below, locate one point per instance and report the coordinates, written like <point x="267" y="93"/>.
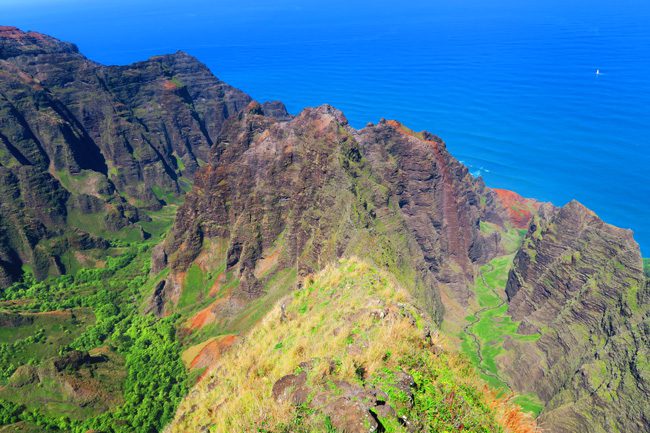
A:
<point x="520" y="209"/>
<point x="15" y="302"/>
<point x="205" y="316"/>
<point x="211" y="352"/>
<point x="214" y="290"/>
<point x="66" y="314"/>
<point x="169" y="85"/>
<point x="201" y="318"/>
<point x="266" y="263"/>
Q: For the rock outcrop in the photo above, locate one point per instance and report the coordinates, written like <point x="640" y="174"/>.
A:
<point x="440" y="203"/>
<point x="92" y="139"/>
<point x="312" y="189"/>
<point x="578" y="282"/>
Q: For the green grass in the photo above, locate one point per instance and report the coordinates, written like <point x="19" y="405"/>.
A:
<point x="195" y="287"/>
<point x="529" y="403"/>
<point x="166" y="196"/>
<point x="491" y="324"/>
<point x="278" y="285"/>
<point x="179" y="162"/>
<point x="177" y="81"/>
<point x="25" y="344"/>
<point x="646" y="267"/>
<point x="161" y="221"/>
<point x="350" y="348"/>
<point x="94" y="223"/>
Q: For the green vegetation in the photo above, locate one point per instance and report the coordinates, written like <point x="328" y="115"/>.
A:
<point x="177" y="81"/>
<point x="88" y="311"/>
<point x="490" y="325"/>
<point x="196" y="287"/>
<point x="357" y="351"/>
<point x="646" y="267"/>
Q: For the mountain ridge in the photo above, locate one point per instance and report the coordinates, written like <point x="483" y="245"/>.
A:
<point x="245" y="202"/>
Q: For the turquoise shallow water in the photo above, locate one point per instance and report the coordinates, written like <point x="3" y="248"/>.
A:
<point x="511" y="88"/>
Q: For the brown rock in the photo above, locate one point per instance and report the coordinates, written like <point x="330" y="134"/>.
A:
<point x="291" y="388"/>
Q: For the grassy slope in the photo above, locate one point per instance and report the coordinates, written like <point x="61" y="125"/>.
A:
<point x="330" y="322"/>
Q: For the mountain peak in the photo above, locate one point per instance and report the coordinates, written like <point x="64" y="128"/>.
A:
<point x="16" y="42"/>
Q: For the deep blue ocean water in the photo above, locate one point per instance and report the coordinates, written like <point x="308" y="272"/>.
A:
<point x="511" y="86"/>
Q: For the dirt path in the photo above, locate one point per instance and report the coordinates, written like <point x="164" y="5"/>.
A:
<point x="477" y="318"/>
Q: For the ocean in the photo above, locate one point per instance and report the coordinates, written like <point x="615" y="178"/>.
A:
<point x="547" y="98"/>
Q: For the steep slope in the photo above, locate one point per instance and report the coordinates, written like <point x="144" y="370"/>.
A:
<point x="579" y="284"/>
<point x="441" y="204"/>
<point x="95" y="157"/>
<point x="91" y="146"/>
<point x="296" y="195"/>
<point x="374" y="367"/>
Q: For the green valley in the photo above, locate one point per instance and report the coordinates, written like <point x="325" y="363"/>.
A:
<point x="77" y="353"/>
<point x="490" y="325"/>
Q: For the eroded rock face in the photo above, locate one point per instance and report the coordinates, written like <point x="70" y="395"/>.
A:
<point x="316" y="189"/>
<point x="440" y="202"/>
<point x="579" y="283"/>
<point x="76" y="135"/>
<point x="350" y="407"/>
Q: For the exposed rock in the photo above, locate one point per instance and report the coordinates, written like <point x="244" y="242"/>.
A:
<point x="404" y="382"/>
<point x="351" y="408"/>
<point x="158" y="259"/>
<point x="439" y="200"/>
<point x="291" y="388"/>
<point x="24" y="375"/>
<point x="275" y="109"/>
<point x="72" y="360"/>
<point x="84" y="136"/>
<point x="157" y="302"/>
<point x="580" y="283"/>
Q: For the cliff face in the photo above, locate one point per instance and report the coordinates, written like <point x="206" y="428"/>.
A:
<point x="312" y="189"/>
<point x="75" y="135"/>
<point x="579" y="283"/>
<point x="440" y="203"/>
<point x="272" y="199"/>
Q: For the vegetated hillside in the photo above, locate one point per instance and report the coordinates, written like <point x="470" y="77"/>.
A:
<point x="347" y="352"/>
<point x="548" y="304"/>
<point x="578" y="285"/>
<point x="91" y="148"/>
<point x="77" y="354"/>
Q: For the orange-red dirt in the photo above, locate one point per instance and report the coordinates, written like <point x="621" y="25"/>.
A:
<point x="519" y="209"/>
<point x="211" y="352"/>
